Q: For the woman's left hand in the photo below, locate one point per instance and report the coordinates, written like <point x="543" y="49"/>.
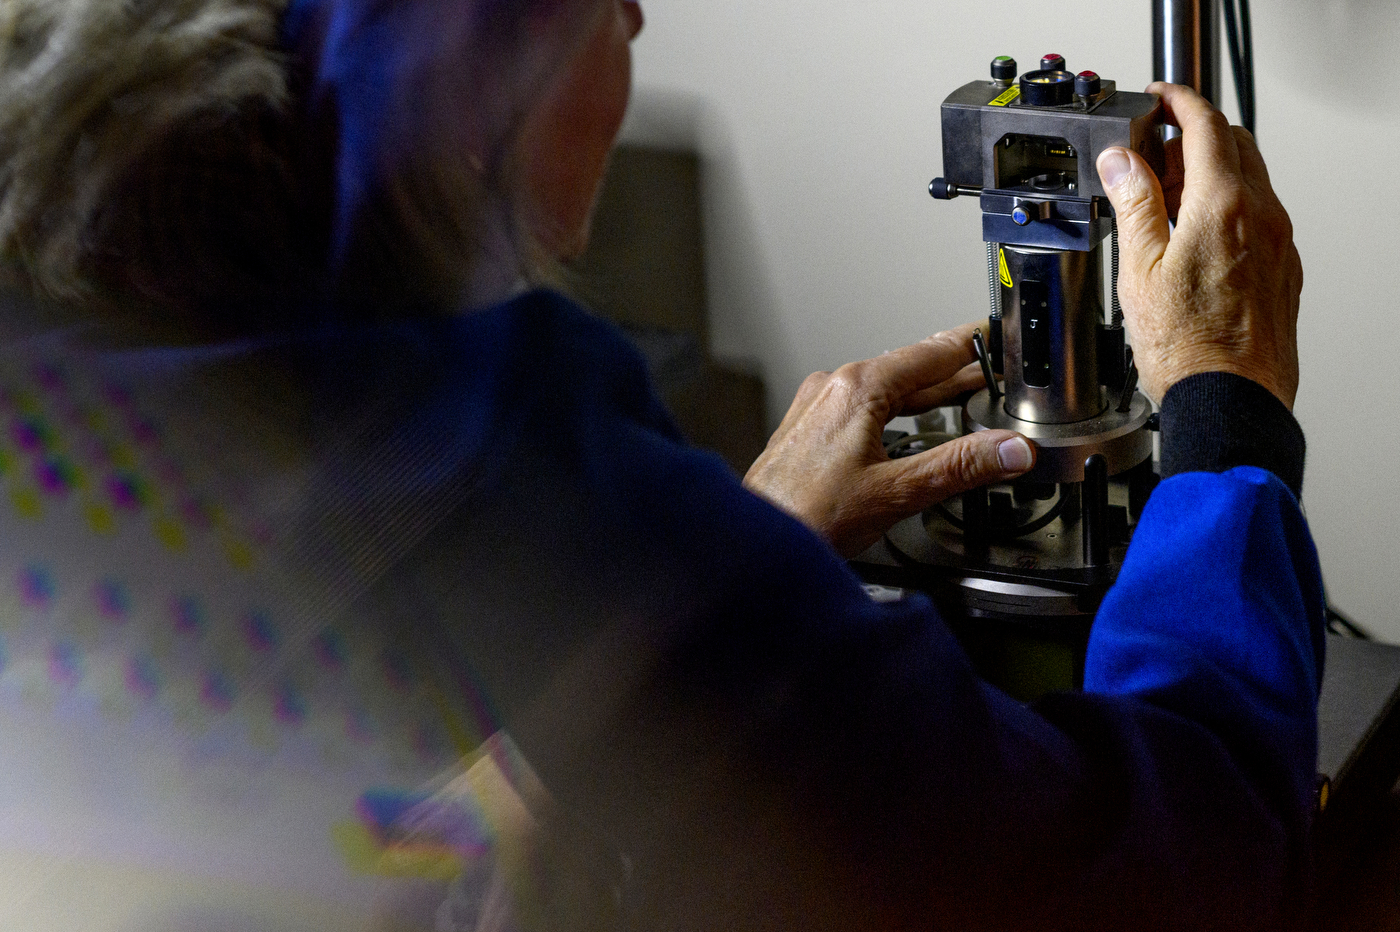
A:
<point x="826" y="464"/>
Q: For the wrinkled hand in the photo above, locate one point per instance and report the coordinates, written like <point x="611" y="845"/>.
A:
<point x="1221" y="293"/>
<point x="826" y="464"/>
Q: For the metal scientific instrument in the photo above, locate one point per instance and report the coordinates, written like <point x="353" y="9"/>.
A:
<point x="1029" y="562"/>
<point x="1019" y="570"/>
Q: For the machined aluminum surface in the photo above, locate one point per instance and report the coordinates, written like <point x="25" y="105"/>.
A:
<point x="1061" y="292"/>
<point x="1007" y="598"/>
<point x="1061" y="449"/>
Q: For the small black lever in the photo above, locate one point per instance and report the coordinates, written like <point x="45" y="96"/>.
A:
<point x="944" y="190"/>
<point x="985" y="359"/>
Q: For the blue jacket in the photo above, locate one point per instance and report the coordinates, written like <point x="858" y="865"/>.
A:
<point x="709" y="693"/>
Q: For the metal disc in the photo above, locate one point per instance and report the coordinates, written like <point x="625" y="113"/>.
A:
<point x="1061" y="449"/>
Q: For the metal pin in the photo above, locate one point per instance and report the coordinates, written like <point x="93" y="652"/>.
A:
<point x="1130" y="380"/>
<point x="985" y="359"/>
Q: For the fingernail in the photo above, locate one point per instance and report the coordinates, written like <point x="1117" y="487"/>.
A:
<point x="1014" y="455"/>
<point x="1113" y="165"/>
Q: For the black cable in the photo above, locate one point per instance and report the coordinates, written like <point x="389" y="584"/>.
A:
<point x="1239" y="37"/>
<point x="1232" y="48"/>
<point x="1247" y="43"/>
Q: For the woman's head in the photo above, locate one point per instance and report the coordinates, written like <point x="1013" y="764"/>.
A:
<point x="397" y="153"/>
<point x="462" y="129"/>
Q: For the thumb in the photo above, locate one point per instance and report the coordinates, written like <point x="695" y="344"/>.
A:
<point x="967" y="463"/>
<point x="1136" y="196"/>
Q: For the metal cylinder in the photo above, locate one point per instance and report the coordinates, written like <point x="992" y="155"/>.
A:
<point x="1050" y="320"/>
<point x="1186" y="44"/>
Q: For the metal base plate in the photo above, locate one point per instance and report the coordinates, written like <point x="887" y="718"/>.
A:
<point x="1041" y="573"/>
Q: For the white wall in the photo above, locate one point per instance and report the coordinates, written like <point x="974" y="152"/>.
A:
<point x="818" y="125"/>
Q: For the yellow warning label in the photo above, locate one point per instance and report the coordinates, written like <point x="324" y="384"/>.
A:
<point x="1006" y="97"/>
<point x="1005" y="272"/>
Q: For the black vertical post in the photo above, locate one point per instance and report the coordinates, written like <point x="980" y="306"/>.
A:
<point x="977" y="517"/>
<point x="1094" y="507"/>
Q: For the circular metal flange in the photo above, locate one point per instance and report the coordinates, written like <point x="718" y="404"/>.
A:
<point x="1007" y="598"/>
<point x="1061" y="449"/>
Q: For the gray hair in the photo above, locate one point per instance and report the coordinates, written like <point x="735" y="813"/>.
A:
<point x="172" y="152"/>
<point x="88" y="88"/>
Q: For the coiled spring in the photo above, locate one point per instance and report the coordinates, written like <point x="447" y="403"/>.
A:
<point x="1117" y="309"/>
<point x="994" y="278"/>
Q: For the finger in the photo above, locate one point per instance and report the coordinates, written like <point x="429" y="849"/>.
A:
<point x="969" y="462"/>
<point x="1209" y="152"/>
<point x="902" y="372"/>
<point x="968" y="379"/>
<point x="1252" y="166"/>
<point x="1173" y="178"/>
<point x="1141" y="210"/>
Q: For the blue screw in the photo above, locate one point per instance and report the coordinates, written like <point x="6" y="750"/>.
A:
<point x="1021" y="216"/>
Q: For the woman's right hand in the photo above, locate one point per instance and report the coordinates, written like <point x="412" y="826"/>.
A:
<point x="826" y="464"/>
<point x="1220" y="294"/>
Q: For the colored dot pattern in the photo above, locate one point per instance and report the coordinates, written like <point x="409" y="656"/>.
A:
<point x="138" y="591"/>
<point x="216" y="691"/>
<point x="329" y="649"/>
<point x="158" y="610"/>
<point x="143" y="677"/>
<point x="113" y="600"/>
<point x="36" y="587"/>
<point x="259" y="631"/>
<point x="188" y="615"/>
<point x="65" y="664"/>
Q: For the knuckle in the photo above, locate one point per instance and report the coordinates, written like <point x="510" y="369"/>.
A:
<point x="1130" y="194"/>
<point x="946" y="340"/>
<point x="1217" y="121"/>
<point x="1232" y="196"/>
<point x="810" y="388"/>
<point x="1228" y="213"/>
<point x="860" y="386"/>
<point x="966" y="467"/>
<point x="850" y="379"/>
<point x="1250" y="225"/>
<point x="1133" y="213"/>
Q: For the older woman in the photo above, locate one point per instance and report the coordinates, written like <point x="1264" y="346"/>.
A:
<point x="325" y="490"/>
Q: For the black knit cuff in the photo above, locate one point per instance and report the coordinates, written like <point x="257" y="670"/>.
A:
<point x="1216" y="421"/>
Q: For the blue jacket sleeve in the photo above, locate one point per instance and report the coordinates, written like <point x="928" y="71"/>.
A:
<point x="1210" y="645"/>
<point x="1217" y="620"/>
